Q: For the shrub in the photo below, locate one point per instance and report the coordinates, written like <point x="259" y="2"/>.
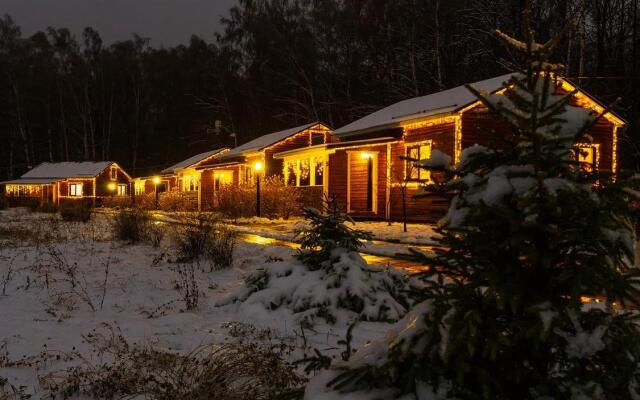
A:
<point x="4" y="203"/>
<point x="191" y="241"/>
<point x="278" y="200"/>
<point x="78" y="212"/>
<point x="131" y="225"/>
<point x="48" y="208"/>
<point x="206" y="240"/>
<point x="219" y="249"/>
<point x="236" y="201"/>
<point x="177" y="201"/>
<point x="116" y="201"/>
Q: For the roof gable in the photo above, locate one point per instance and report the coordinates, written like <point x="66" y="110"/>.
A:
<point x="424" y="106"/>
<point x="68" y="170"/>
<point x="267" y="140"/>
<point x="191" y="161"/>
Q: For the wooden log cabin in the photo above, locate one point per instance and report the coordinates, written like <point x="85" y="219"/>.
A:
<point x="64" y="182"/>
<point x="364" y="170"/>
<point x="182" y="177"/>
<point x="239" y="165"/>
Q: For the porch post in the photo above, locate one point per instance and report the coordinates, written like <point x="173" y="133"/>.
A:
<point x="387" y="208"/>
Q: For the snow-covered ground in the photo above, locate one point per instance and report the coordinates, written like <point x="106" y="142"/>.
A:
<point x="60" y="281"/>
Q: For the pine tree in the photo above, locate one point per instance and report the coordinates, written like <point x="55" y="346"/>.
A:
<point x="529" y="235"/>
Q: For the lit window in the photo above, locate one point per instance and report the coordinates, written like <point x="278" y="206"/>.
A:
<point x="75" y="189"/>
<point x="417" y="152"/>
<point x="318" y="165"/>
<point x="122" y="190"/>
<point x="114" y="173"/>
<point x="290" y="173"/>
<point x="587" y="156"/>
<point x="305" y="173"/>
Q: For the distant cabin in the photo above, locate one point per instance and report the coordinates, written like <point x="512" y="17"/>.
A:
<point x="56" y="183"/>
<point x="363" y="168"/>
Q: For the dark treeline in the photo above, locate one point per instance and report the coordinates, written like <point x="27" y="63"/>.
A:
<point x="278" y="63"/>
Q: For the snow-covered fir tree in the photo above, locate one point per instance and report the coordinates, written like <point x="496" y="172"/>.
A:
<point x="331" y="281"/>
<point x="529" y="235"/>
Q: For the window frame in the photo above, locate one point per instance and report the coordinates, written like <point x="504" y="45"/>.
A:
<point x="595" y="147"/>
<point x="122" y="192"/>
<point x="73" y="189"/>
<point x="419" y="145"/>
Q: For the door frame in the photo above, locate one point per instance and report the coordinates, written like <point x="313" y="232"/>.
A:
<point x="373" y="177"/>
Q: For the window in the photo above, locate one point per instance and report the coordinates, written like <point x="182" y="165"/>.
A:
<point x="304" y="172"/>
<point x="190" y="183"/>
<point x="75" y="189"/>
<point x="290" y="173"/>
<point x="317" y="138"/>
<point x="122" y="190"/>
<point x="417" y="152"/>
<point x="318" y="165"/>
<point x="114" y="173"/>
<point x="139" y="188"/>
<point x="587" y="156"/>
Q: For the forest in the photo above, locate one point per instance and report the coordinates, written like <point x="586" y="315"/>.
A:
<point x="280" y="63"/>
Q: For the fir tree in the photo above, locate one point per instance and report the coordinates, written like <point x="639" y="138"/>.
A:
<point x="528" y="236"/>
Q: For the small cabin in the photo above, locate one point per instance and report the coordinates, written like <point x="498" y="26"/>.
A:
<point x="240" y="165"/>
<point x="57" y="183"/>
<point x="364" y="169"/>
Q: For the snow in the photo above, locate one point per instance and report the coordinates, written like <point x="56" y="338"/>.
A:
<point x="41" y="312"/>
<point x="68" y="169"/>
<point x="192" y="160"/>
<point x="349" y="290"/>
<point x="418" y="107"/>
<point x="263" y="141"/>
<point x="31" y="181"/>
<point x="437" y="159"/>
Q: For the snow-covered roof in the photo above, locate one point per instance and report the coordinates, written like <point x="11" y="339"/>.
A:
<point x="31" y="181"/>
<point x="418" y="107"/>
<point x="261" y="142"/>
<point x="68" y="169"/>
<point x="192" y="160"/>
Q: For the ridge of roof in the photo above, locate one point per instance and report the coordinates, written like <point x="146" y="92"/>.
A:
<point x="267" y="140"/>
<point x="192" y="160"/>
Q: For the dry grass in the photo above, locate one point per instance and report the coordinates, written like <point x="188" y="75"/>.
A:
<point x="228" y="371"/>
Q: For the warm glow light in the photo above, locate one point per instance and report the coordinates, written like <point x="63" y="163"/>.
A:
<point x="112" y="186"/>
<point x="366" y="155"/>
<point x="257" y="166"/>
<point x="156" y="180"/>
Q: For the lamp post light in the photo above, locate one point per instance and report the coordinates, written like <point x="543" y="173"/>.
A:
<point x="257" y="168"/>
<point x="156" y="182"/>
<point x="112" y="189"/>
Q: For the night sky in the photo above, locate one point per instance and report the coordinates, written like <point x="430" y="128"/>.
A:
<point x="166" y="22"/>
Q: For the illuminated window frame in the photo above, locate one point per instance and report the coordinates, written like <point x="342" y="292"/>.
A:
<point x="596" y="153"/>
<point x="407" y="147"/>
<point x="122" y="189"/>
<point x="313" y="161"/>
<point x="75" y="189"/>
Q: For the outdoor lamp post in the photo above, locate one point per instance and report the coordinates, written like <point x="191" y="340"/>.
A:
<point x="156" y="182"/>
<point x="257" y="168"/>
